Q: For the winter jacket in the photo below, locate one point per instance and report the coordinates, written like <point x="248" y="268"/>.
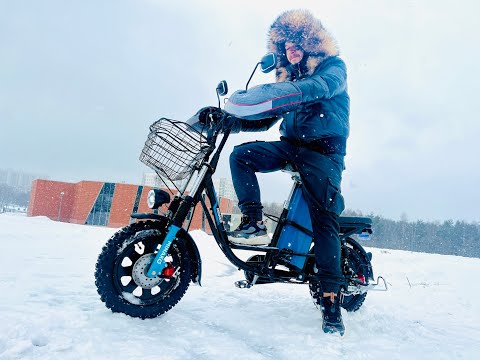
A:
<point x="310" y="96"/>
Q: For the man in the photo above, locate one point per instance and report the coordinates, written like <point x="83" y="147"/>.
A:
<point x="310" y="94"/>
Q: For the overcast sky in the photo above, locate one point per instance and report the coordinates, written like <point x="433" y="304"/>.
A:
<point x="81" y="81"/>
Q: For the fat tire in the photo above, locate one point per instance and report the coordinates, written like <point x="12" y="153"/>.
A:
<point x="358" y="260"/>
<point x="355" y="260"/>
<point x="106" y="278"/>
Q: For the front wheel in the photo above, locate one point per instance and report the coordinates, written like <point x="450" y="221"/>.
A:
<point x="120" y="273"/>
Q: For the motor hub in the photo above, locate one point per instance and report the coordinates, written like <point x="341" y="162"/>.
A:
<point x="139" y="272"/>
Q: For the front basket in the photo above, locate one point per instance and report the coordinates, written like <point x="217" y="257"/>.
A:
<point x="173" y="149"/>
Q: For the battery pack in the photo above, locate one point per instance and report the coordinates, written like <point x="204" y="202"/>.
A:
<point x="293" y="238"/>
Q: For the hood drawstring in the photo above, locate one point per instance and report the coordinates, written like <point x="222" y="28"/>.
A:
<point x="299" y="71"/>
<point x="296" y="72"/>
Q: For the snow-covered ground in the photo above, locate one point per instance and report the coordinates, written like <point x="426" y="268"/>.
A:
<point x="49" y="307"/>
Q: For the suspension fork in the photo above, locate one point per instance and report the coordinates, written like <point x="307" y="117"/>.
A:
<point x="158" y="263"/>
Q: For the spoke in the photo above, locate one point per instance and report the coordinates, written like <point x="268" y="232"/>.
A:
<point x="140" y="248"/>
<point x="125" y="280"/>
<point x="138" y="291"/>
<point x="155" y="290"/>
<point x="126" y="262"/>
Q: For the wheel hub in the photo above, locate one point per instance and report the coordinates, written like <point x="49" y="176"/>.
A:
<point x="139" y="272"/>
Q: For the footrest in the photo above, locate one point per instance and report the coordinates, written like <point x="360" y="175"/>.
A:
<point x="380" y="285"/>
<point x="251" y="247"/>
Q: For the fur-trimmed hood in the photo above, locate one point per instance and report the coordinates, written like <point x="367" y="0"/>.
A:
<point x="301" y="28"/>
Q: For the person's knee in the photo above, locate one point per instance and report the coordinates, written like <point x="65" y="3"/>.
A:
<point x="234" y="155"/>
<point x="235" y="160"/>
<point x="240" y="156"/>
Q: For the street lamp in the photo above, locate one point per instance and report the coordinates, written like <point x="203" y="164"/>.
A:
<point x="60" y="206"/>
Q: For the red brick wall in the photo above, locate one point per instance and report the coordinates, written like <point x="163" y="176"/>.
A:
<point x="197" y="218"/>
<point x="45" y="199"/>
<point x="122" y="204"/>
<point x="86" y="193"/>
<point x="79" y="198"/>
<point x="226" y="206"/>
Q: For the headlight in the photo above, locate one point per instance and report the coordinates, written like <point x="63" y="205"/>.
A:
<point x="157" y="198"/>
<point x="151" y="199"/>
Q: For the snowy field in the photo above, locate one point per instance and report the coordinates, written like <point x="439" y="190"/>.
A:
<point x="49" y="307"/>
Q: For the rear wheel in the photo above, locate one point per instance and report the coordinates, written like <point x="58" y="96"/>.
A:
<point x="357" y="270"/>
<point x="120" y="273"/>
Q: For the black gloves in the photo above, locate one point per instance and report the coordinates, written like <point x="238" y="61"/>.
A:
<point x="210" y="114"/>
<point x="211" y="117"/>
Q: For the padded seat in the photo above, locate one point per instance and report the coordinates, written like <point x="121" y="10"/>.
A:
<point x="354" y="220"/>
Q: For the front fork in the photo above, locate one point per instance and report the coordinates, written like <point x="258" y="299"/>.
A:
<point x="158" y="263"/>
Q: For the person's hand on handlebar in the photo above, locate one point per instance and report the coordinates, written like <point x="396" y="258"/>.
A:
<point x="210" y="115"/>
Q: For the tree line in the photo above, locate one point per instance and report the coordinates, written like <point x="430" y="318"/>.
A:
<point x="448" y="237"/>
<point x="13" y="196"/>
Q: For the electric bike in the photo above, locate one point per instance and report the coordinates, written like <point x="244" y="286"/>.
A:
<point x="147" y="266"/>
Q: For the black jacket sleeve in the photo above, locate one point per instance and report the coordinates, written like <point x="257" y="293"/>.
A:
<point x="253" y="126"/>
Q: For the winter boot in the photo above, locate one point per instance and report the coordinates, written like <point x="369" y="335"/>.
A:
<point x="249" y="232"/>
<point x="332" y="315"/>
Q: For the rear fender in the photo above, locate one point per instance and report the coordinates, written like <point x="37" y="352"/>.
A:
<point x="368" y="256"/>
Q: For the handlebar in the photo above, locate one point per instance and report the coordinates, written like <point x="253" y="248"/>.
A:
<point x="211" y="119"/>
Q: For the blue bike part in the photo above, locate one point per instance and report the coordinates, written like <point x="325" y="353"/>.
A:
<point x="159" y="262"/>
<point x="292" y="238"/>
<point x="215" y="208"/>
<point x="191" y="245"/>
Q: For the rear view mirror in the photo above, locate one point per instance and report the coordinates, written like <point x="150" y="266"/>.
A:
<point x="222" y="88"/>
<point x="268" y="62"/>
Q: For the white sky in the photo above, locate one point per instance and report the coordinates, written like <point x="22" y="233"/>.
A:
<point x="81" y="81"/>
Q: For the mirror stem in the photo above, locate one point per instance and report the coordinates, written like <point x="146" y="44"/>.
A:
<point x="253" y="72"/>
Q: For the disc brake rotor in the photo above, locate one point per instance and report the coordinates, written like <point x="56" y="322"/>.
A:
<point x="140" y="269"/>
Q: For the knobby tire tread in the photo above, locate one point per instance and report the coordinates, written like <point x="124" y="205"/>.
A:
<point x="104" y="275"/>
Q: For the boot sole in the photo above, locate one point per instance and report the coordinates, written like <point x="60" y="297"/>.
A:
<point x="263" y="240"/>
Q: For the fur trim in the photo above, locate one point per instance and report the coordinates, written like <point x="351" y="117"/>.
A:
<point x="301" y="28"/>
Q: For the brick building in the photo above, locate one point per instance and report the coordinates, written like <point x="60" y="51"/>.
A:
<point x="100" y="203"/>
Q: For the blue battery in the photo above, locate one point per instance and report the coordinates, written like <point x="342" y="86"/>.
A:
<point x="293" y="238"/>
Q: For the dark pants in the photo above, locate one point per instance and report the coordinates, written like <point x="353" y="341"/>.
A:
<point x="321" y="176"/>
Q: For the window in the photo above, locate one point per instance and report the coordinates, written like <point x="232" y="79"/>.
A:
<point x="137" y="199"/>
<point x="101" y="209"/>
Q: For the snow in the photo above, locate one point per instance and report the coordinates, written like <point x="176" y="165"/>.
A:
<point x="49" y="307"/>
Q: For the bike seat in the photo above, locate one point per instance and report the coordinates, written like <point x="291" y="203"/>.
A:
<point x="354" y="220"/>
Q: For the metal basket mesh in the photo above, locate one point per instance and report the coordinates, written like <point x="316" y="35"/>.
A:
<point x="173" y="149"/>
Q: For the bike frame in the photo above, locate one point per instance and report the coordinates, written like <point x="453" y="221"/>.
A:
<point x="183" y="204"/>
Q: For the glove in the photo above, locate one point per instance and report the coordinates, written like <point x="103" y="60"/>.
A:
<point x="209" y="114"/>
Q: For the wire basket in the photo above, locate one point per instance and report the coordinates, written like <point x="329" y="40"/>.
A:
<point x="173" y="149"/>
